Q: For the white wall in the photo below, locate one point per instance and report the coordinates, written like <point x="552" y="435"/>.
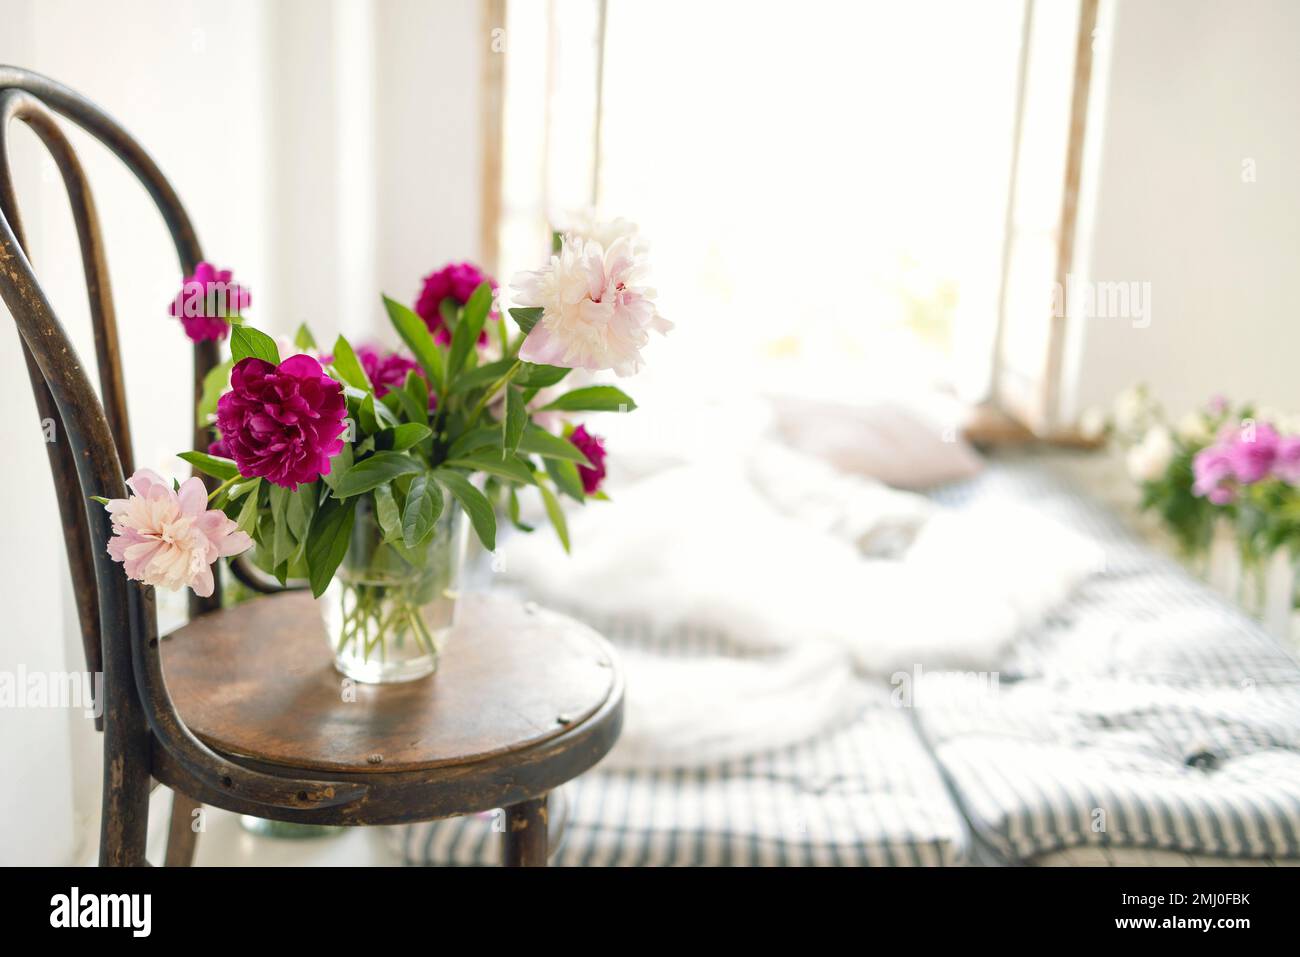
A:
<point x="1195" y="89"/>
<point x="317" y="192"/>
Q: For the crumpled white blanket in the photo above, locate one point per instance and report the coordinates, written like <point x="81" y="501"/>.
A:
<point x="784" y="556"/>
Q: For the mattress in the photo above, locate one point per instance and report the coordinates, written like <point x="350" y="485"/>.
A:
<point x="1146" y="713"/>
<point x="870" y="794"/>
<point x="1146" y="721"/>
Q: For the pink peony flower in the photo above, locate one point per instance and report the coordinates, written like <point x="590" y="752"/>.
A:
<point x="594" y="315"/>
<point x="170" y="539"/>
<point x="387" y="370"/>
<point x="218" y="447"/>
<point x="1213" y="473"/>
<point x="1287" y="464"/>
<point x="1252" y="454"/>
<point x="283" y="423"/>
<point x="593" y="447"/>
<point x="457" y="282"/>
<point x="206" y="301"/>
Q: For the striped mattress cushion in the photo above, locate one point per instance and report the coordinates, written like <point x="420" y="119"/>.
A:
<point x="867" y="795"/>
<point x="1146" y="713"/>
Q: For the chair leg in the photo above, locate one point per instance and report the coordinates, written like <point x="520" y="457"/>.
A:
<point x="124" y="820"/>
<point x="524" y="842"/>
<point x="182" y="835"/>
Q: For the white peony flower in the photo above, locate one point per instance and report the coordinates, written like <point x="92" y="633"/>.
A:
<point x="1148" y="460"/>
<point x="1194" y="428"/>
<point x="585" y="224"/>
<point x="1132" y="410"/>
<point x="594" y="314"/>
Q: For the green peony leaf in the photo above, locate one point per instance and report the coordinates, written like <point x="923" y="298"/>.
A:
<point x="593" y="398"/>
<point x="475" y="503"/>
<point x="213" y="465"/>
<point x="512" y="428"/>
<point x="349" y="366"/>
<point x="245" y="341"/>
<point x="406" y="435"/>
<point x="331" y="533"/>
<point x="374" y="471"/>
<point x="417" y="338"/>
<point x="423" y="506"/>
<point x="556" y="514"/>
<point x="511" y="468"/>
<point x="538" y="441"/>
<point x="533" y="376"/>
<point x="214" y="384"/>
<point x="526" y="318"/>
<point x="566" y="477"/>
<point x="303" y="338"/>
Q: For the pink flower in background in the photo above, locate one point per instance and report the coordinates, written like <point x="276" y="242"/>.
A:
<point x="593" y="447"/>
<point x="1253" y="452"/>
<point x="207" y="300"/>
<point x="594" y="314"/>
<point x="1217" y="405"/>
<point x="1287" y="464"/>
<point x="457" y="282"/>
<point x="1212" y="472"/>
<point x="387" y="370"/>
<point x="283" y="423"/>
<point x="169" y="538"/>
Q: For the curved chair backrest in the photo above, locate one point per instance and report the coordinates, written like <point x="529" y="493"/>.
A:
<point x="62" y="391"/>
<point x="91" y="456"/>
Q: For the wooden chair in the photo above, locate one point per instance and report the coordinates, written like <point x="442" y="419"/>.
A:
<point x="252" y="717"/>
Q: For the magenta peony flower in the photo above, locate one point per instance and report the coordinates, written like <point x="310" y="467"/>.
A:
<point x="283" y="423"/>
<point x="206" y="301"/>
<point x="455" y="281"/>
<point x="169" y="538"/>
<point x="1287" y="464"/>
<point x="386" y="370"/>
<point x="218" y="447"/>
<point x="1252" y="455"/>
<point x="593" y="447"/>
<point x="1213" y="474"/>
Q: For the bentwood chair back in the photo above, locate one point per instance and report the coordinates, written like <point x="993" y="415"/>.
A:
<point x="530" y="700"/>
<point x="91" y="455"/>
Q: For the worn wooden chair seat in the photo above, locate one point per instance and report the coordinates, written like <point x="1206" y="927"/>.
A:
<point x="523" y="700"/>
<point x="247" y="712"/>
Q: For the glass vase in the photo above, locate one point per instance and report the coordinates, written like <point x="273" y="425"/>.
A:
<point x="389" y="609"/>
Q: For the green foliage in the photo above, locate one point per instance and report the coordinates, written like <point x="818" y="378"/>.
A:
<point x="245" y="341"/>
<point x="473" y="450"/>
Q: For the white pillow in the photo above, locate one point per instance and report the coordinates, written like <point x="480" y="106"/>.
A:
<point x="902" y="444"/>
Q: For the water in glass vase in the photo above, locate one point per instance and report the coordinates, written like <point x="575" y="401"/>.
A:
<point x="389" y="608"/>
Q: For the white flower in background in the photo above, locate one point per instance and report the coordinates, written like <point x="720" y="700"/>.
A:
<point x="586" y="225"/>
<point x="1194" y="428"/>
<point x="594" y="314"/>
<point x="1092" y="424"/>
<point x="1132" y="410"/>
<point x="1148" y="460"/>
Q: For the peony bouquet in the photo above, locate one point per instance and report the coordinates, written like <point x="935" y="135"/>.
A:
<point x="357" y="470"/>
<point x="1217" y="464"/>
